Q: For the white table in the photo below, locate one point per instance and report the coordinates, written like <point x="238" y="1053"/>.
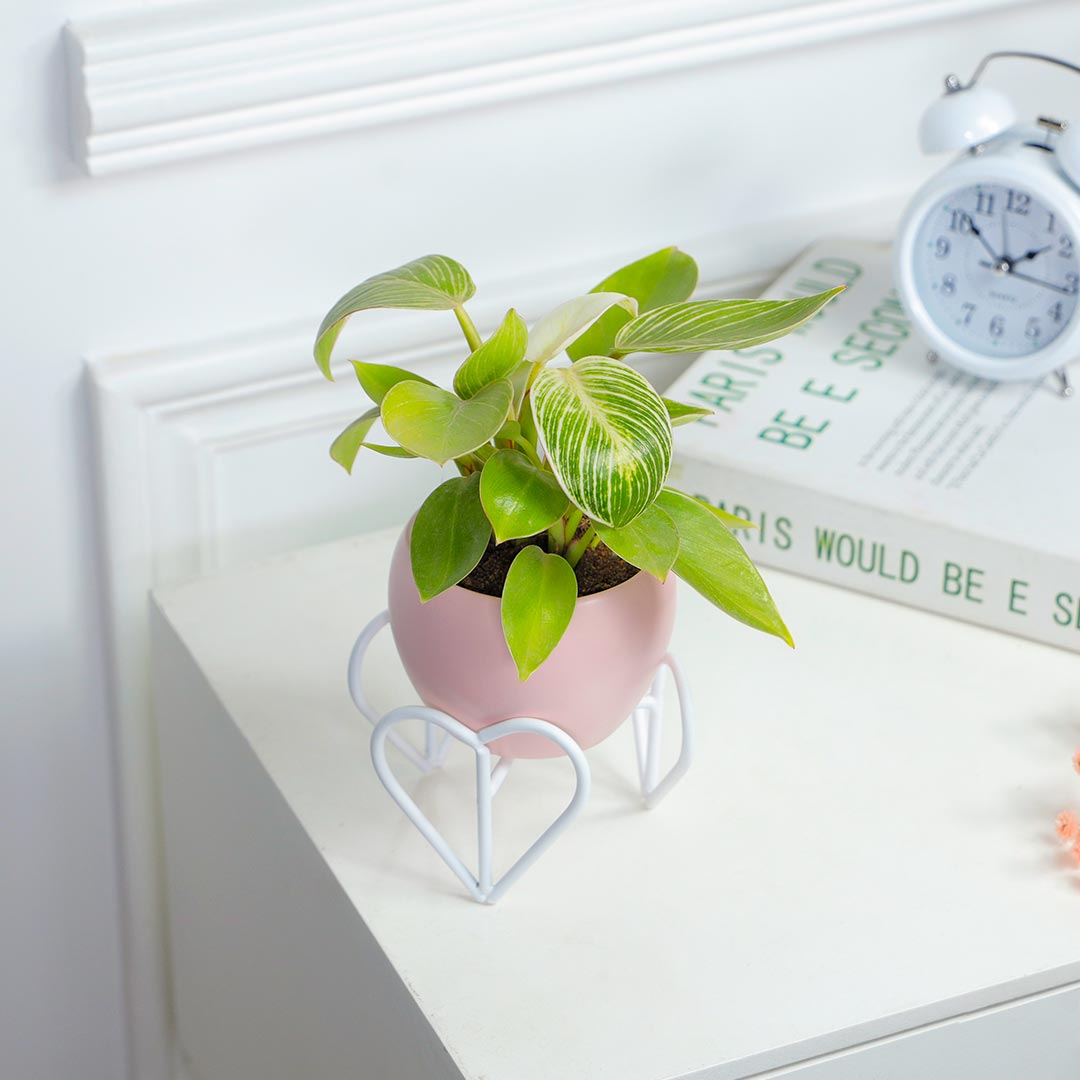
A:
<point x="857" y="880"/>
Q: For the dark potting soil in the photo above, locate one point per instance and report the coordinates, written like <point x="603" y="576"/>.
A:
<point x="598" y="569"/>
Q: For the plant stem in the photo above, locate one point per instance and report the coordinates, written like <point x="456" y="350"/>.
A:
<point x="468" y="328"/>
<point x="526" y="419"/>
<point x="557" y="537"/>
<point x="579" y="546"/>
<point x="530" y="449"/>
<point x="573" y="520"/>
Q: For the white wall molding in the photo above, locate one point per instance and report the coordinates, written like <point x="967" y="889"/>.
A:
<point x="159" y="85"/>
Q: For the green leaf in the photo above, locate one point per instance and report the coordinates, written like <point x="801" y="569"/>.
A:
<point x="537" y="605"/>
<point x="563" y="325"/>
<point x="607" y="435"/>
<point x="449" y="536"/>
<point x="433" y="283"/>
<point x="718" y="324"/>
<point x="520" y="499"/>
<point x="730" y="520"/>
<point x="684" y="414"/>
<point x="665" y="277"/>
<point x="438" y="425"/>
<point x="347" y="445"/>
<point x="650" y="542"/>
<point x="498" y="358"/>
<point x="714" y="563"/>
<point x="378" y="379"/>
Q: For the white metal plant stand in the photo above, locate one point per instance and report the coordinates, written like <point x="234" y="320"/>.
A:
<point x="440" y="728"/>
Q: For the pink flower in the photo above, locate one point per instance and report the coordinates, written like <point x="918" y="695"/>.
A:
<point x="1068" y="828"/>
<point x="1076" y="761"/>
<point x="1076" y="851"/>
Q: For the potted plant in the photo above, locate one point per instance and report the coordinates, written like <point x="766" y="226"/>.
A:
<point x="539" y="580"/>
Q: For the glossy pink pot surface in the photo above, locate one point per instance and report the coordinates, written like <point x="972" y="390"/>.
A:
<point x="454" y="653"/>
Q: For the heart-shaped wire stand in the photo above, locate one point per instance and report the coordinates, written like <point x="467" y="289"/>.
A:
<point x="440" y="729"/>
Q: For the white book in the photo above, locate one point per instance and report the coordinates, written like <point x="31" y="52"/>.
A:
<point x="865" y="465"/>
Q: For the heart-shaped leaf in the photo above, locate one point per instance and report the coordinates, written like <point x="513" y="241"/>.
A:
<point x="664" y="277"/>
<point x="714" y="563"/>
<point x="378" y="379"/>
<point x="684" y="414"/>
<point x="498" y="358"/>
<point x="650" y="542"/>
<point x="433" y="283"/>
<point x="438" y="425"/>
<point x="717" y="324"/>
<point x="561" y="326"/>
<point x="449" y="535"/>
<point x="520" y="499"/>
<point x="537" y="605"/>
<point x="347" y="445"/>
<point x="607" y="435"/>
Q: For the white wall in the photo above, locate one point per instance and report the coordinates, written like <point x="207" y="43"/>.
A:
<point x="213" y="452"/>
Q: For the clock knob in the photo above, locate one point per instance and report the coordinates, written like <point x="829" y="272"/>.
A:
<point x="964" y="118"/>
<point x="1068" y="153"/>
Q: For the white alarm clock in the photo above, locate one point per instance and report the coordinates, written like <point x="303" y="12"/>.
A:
<point x="988" y="255"/>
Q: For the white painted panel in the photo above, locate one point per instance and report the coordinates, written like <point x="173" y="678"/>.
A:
<point x="1036" y="1036"/>
<point x="213" y="451"/>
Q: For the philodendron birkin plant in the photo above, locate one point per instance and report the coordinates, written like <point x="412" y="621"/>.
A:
<point x="560" y="449"/>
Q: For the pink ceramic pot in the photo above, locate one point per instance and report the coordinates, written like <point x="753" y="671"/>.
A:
<point x="453" y="650"/>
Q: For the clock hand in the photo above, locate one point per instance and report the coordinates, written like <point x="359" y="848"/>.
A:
<point x="982" y="239"/>
<point x="1031" y="254"/>
<point x="1045" y="284"/>
<point x="1034" y="281"/>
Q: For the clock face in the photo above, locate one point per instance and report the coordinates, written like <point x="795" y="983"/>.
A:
<point x="997" y="270"/>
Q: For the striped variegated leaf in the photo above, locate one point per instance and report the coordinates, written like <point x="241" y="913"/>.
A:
<point x="664" y="277"/>
<point x="433" y="283"/>
<point x="698" y="325"/>
<point x="562" y="326"/>
<point x="607" y="435"/>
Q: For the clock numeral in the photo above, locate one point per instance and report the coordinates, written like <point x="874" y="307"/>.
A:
<point x="1033" y="330"/>
<point x="1072" y="282"/>
<point x="948" y="284"/>
<point x="1050" y="219"/>
<point x="984" y="203"/>
<point x="961" y="223"/>
<point x="997" y="326"/>
<point x="941" y="247"/>
<point x="1055" y="312"/>
<point x="968" y="309"/>
<point x="1019" y="202"/>
<point x="1065" y="246"/>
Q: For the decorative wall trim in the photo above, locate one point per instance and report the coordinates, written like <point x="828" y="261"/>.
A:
<point x="159" y="85"/>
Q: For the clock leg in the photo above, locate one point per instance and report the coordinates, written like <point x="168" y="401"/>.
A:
<point x="1064" y="386"/>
